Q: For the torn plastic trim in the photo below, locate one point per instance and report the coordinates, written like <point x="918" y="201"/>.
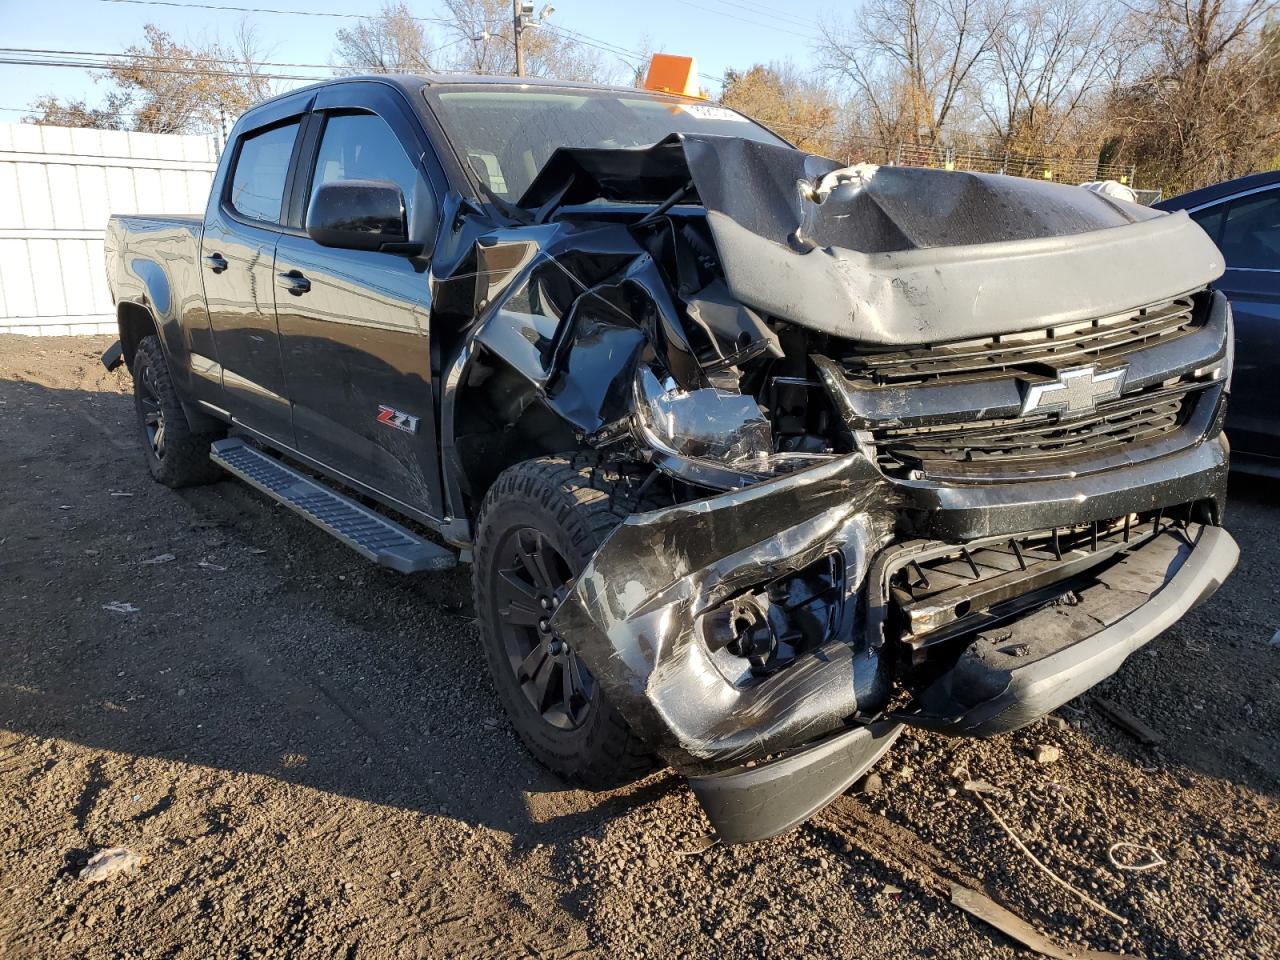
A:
<point x="634" y="613"/>
<point x="746" y="804"/>
<point x="1009" y="677"/>
<point x="965" y="512"/>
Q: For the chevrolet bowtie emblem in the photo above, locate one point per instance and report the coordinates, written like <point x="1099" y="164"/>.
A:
<point x="1077" y="390"/>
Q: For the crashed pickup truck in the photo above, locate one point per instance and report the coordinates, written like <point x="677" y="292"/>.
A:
<point x="757" y="458"/>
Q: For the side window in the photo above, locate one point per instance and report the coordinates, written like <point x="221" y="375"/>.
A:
<point x="1251" y="233"/>
<point x="360" y="146"/>
<point x="257" y="183"/>
<point x="1210" y="219"/>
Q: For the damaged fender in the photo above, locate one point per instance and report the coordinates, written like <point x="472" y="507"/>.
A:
<point x="638" y="615"/>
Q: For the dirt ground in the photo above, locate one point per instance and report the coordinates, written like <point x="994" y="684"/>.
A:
<point x="307" y="753"/>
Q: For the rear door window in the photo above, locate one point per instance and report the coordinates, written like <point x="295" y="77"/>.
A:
<point x="1251" y="233"/>
<point x="257" y="183"/>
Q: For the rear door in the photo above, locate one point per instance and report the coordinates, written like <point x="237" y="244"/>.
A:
<point x="353" y="323"/>
<point x="1247" y="231"/>
<point x="242" y="224"/>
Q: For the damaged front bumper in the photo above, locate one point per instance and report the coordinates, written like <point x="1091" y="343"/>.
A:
<point x="769" y="734"/>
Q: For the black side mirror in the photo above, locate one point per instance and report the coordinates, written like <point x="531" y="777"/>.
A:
<point x="359" y="215"/>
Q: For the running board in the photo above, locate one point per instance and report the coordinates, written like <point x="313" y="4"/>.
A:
<point x="365" y="531"/>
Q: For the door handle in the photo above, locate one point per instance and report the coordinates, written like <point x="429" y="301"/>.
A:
<point x="294" y="282"/>
<point x="216" y="262"/>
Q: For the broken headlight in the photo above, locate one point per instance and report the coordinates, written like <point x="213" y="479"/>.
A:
<point x="706" y="424"/>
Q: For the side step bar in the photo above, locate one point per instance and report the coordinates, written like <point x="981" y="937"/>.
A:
<point x="365" y="531"/>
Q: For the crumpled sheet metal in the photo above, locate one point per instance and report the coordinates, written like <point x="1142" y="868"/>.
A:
<point x="632" y="614"/>
<point x="903" y="255"/>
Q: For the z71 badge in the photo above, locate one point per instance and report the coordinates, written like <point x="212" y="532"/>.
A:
<point x="395" y="418"/>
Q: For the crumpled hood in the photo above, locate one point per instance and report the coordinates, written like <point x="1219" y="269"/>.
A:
<point x="899" y="255"/>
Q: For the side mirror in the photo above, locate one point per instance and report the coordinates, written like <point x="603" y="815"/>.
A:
<point x="359" y="215"/>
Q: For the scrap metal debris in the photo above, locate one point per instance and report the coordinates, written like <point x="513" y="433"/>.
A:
<point x="1127" y="722"/>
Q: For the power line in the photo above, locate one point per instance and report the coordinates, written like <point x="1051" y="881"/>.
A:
<point x="583" y="38"/>
<point x="764" y="11"/>
<point x="269" y="10"/>
<point x="87" y="65"/>
<point x="130" y="55"/>
<point x="754" y="23"/>
<point x="634" y="56"/>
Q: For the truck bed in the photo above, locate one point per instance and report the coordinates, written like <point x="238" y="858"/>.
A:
<point x="142" y="249"/>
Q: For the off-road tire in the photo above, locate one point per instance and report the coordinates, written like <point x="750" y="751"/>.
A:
<point x="575" y="506"/>
<point x="184" y="461"/>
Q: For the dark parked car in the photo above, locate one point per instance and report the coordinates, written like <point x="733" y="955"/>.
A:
<point x="1243" y="218"/>
<point x="757" y="458"/>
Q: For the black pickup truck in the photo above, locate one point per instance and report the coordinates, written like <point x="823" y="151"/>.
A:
<point x="756" y="457"/>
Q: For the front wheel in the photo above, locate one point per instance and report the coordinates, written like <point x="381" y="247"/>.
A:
<point x="540" y="524"/>
<point x="176" y="455"/>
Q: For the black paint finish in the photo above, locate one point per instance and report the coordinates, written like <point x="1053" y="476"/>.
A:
<point x="412" y="339"/>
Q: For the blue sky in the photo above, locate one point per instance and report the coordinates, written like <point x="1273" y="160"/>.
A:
<point x="719" y="33"/>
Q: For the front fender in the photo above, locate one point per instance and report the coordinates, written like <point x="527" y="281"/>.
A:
<point x="634" y="614"/>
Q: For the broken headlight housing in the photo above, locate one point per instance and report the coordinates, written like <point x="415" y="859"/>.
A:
<point x="708" y="424"/>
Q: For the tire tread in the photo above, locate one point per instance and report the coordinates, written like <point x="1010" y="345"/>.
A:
<point x="589" y="502"/>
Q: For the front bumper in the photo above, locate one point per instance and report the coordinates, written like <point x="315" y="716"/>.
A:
<point x="765" y="751"/>
<point x="1010" y="676"/>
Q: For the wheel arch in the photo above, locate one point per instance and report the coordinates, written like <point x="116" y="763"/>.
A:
<point x="493" y="417"/>
<point x="135" y="322"/>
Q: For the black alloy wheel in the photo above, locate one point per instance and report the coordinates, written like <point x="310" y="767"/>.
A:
<point x="532" y="583"/>
<point x="539" y="525"/>
<point x="153" y="425"/>
<point x="177" y="456"/>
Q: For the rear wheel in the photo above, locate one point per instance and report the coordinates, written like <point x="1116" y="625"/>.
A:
<point x="176" y="455"/>
<point x="539" y="525"/>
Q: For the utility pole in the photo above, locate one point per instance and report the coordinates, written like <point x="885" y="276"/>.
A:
<point x="517" y="13"/>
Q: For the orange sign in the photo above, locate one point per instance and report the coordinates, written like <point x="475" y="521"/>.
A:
<point x="671" y="74"/>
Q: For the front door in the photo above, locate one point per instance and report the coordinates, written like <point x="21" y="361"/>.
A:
<point x="354" y="330"/>
<point x="1247" y="230"/>
<point x="237" y="254"/>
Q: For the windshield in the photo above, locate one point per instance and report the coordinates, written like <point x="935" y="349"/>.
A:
<point x="508" y="133"/>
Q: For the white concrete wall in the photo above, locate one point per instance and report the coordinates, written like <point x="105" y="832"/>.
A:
<point x="58" y="185"/>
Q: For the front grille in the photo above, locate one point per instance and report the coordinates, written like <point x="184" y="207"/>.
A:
<point x="1093" y="341"/>
<point x="1131" y="420"/>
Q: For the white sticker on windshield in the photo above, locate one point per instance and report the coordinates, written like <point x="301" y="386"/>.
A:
<point x="704" y="111"/>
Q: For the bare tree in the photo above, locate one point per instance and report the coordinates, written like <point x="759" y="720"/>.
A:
<point x="391" y="42"/>
<point x="163" y="86"/>
<point x="910" y="62"/>
<point x="482" y="40"/>
<point x="1050" y="61"/>
<point x="1203" y="108"/>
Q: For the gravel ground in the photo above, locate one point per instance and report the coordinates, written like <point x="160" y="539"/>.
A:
<point x="307" y="754"/>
